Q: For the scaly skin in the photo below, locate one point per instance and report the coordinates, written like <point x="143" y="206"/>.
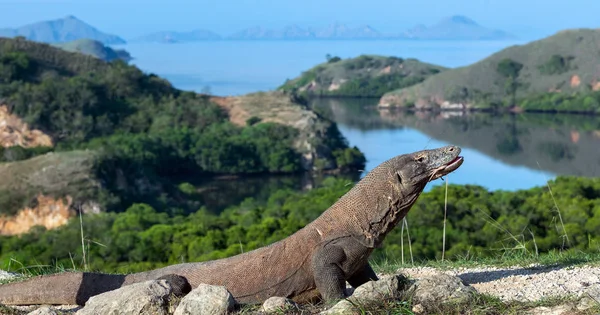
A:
<point x="316" y="261"/>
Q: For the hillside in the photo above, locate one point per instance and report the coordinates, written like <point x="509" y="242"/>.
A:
<point x="61" y="30"/>
<point x="540" y="75"/>
<point x="177" y="37"/>
<point x="96" y="49"/>
<point x="363" y="76"/>
<point x="135" y="124"/>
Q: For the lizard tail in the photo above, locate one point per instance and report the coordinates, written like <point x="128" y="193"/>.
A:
<point x="64" y="288"/>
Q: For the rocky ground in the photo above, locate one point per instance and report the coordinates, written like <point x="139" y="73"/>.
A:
<point x="427" y="286"/>
<point x="523" y="284"/>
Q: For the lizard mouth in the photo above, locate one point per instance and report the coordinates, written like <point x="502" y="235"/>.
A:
<point x="448" y="168"/>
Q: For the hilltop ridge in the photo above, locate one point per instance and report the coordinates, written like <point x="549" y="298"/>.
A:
<point x="61" y="30"/>
<point x="558" y="72"/>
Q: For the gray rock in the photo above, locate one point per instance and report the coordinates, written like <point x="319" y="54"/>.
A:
<point x="43" y="311"/>
<point x="150" y="297"/>
<point x="278" y="304"/>
<point x="5" y="275"/>
<point x="343" y="307"/>
<point x="440" y="288"/>
<point x="387" y="287"/>
<point x="565" y="309"/>
<point x="206" y="299"/>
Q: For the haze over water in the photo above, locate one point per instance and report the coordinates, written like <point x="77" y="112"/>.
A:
<point x="494" y="157"/>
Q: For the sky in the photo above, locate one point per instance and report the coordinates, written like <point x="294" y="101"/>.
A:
<point x="130" y="18"/>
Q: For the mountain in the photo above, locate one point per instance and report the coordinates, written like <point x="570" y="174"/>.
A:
<point x="96" y="49"/>
<point x="176" y="37"/>
<point x="363" y="76"/>
<point x="342" y="31"/>
<point x="452" y="28"/>
<point x="457" y="27"/>
<point x="557" y="73"/>
<point x="66" y="29"/>
<point x="332" y="31"/>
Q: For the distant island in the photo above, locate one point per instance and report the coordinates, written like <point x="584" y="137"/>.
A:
<point x="554" y="74"/>
<point x="455" y="27"/>
<point x="96" y="49"/>
<point x="363" y="76"/>
<point x="176" y="37"/>
<point x="61" y="30"/>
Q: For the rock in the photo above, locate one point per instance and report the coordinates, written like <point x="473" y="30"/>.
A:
<point x="343" y="307"/>
<point x="418" y="309"/>
<point x="592" y="292"/>
<point x="554" y="310"/>
<point x="440" y="288"/>
<point x="278" y="304"/>
<point x="5" y="275"/>
<point x="585" y="303"/>
<point x="43" y="311"/>
<point x="150" y="297"/>
<point x="387" y="287"/>
<point x="206" y="299"/>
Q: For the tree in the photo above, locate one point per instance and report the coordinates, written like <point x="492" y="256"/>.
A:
<point x="510" y="69"/>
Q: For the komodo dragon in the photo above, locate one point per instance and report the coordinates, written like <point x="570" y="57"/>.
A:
<point x="314" y="262"/>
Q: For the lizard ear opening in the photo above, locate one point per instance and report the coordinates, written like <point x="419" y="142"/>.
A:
<point x="398" y="177"/>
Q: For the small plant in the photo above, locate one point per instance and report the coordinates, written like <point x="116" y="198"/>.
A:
<point x="253" y="121"/>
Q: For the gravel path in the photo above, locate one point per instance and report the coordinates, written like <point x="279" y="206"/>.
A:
<point x="524" y="284"/>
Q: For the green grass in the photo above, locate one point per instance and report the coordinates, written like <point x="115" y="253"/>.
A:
<point x="508" y="259"/>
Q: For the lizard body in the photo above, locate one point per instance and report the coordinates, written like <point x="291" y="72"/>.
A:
<point x="316" y="261"/>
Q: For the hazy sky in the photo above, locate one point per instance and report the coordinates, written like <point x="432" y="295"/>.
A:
<point x="129" y="18"/>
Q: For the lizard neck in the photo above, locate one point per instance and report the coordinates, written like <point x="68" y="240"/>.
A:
<point x="388" y="215"/>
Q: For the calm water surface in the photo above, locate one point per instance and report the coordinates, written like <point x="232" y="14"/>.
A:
<point x="501" y="152"/>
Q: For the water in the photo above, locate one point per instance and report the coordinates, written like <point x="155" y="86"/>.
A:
<point x="240" y="67"/>
<point x="501" y="152"/>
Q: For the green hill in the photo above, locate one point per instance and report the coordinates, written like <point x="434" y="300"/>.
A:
<point x="555" y="73"/>
<point x="147" y="137"/>
<point x="363" y="76"/>
<point x="96" y="49"/>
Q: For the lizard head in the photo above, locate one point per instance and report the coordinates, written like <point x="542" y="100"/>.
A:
<point x="421" y="167"/>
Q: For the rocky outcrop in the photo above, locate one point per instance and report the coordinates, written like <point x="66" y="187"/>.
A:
<point x="49" y="212"/>
<point x="280" y="107"/>
<point x="13" y="132"/>
<point x="46" y="190"/>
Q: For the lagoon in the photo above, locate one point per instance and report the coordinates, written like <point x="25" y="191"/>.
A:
<point x="501" y="151"/>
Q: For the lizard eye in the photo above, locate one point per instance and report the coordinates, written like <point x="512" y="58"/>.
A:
<point x="421" y="159"/>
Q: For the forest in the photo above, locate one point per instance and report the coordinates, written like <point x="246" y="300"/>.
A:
<point x="562" y="216"/>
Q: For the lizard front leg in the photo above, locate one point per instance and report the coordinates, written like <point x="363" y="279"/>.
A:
<point x="327" y="271"/>
<point x="339" y="259"/>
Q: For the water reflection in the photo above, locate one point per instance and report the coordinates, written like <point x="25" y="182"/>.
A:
<point x="501" y="151"/>
<point x="504" y="151"/>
